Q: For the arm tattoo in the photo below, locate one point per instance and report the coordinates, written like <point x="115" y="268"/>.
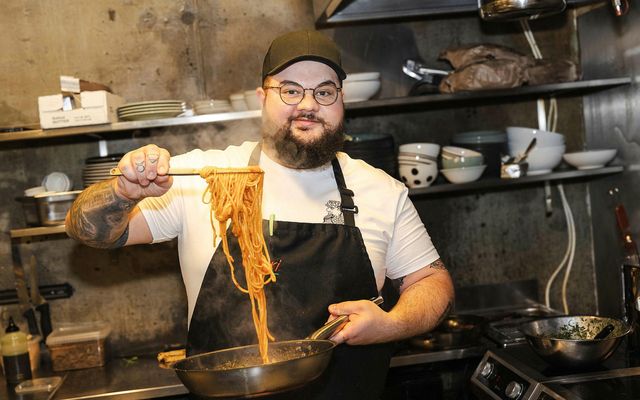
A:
<point x="437" y="264"/>
<point x="99" y="217"/>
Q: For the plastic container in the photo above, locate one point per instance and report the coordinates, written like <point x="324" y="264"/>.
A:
<point x="79" y="345"/>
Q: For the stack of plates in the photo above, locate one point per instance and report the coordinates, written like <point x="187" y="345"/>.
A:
<point x="211" y="106"/>
<point x="151" y="110"/>
<point x="96" y="169"/>
<point x="376" y="149"/>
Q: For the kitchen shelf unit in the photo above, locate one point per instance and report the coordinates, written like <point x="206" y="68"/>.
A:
<point x="498" y="183"/>
<point x="476" y="97"/>
<point x="481" y="185"/>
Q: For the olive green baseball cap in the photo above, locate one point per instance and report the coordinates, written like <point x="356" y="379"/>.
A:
<point x="298" y="46"/>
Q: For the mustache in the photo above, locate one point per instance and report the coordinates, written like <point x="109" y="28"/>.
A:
<point x="309" y="116"/>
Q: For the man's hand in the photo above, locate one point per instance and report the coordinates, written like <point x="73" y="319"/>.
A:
<point x="365" y="317"/>
<point x="144" y="173"/>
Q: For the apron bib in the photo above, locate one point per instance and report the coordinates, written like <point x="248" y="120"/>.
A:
<point x="316" y="265"/>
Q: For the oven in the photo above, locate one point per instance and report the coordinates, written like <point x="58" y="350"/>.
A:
<point x="517" y="373"/>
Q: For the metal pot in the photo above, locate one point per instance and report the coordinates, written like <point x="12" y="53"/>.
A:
<point x="239" y="371"/>
<point x="491" y="10"/>
<point x="568" y="341"/>
<point x="455" y="331"/>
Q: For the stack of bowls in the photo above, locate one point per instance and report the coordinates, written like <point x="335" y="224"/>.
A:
<point x="361" y="86"/>
<point x="460" y="165"/>
<point x="547" y="153"/>
<point x="491" y="144"/>
<point x="418" y="164"/>
<point x="376" y="149"/>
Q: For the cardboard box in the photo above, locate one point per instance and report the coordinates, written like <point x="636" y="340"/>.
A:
<point x="96" y="107"/>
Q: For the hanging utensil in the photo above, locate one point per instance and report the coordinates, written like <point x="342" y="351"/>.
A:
<point x="38" y="301"/>
<point x="21" y="288"/>
<point x="620" y="7"/>
<point x="629" y="244"/>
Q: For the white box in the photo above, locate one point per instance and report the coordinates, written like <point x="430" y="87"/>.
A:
<point x="97" y="107"/>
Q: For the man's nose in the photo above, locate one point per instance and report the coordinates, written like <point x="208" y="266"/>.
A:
<point x="308" y="101"/>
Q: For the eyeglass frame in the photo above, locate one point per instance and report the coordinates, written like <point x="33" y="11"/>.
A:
<point x="304" y="91"/>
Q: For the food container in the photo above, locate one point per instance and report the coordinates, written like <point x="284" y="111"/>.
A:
<point x="78" y="345"/>
<point x="52" y="207"/>
<point x="29" y="210"/>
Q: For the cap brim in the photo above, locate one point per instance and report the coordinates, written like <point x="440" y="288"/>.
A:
<point x="339" y="71"/>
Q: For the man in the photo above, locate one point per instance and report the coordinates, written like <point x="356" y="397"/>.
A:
<point x="337" y="228"/>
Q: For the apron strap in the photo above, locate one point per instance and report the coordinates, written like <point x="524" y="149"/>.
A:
<point x="349" y="209"/>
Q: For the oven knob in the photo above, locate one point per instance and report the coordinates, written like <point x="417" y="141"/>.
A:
<point x="487" y="370"/>
<point x="513" y="390"/>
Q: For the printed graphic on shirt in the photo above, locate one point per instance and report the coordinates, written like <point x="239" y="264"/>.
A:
<point x="334" y="213"/>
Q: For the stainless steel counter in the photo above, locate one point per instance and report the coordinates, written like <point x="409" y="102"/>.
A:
<point x="142" y="378"/>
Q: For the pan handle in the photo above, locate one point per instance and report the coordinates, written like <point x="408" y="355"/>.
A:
<point x="335" y="325"/>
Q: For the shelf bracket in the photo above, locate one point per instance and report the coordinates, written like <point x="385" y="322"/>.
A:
<point x="548" y="205"/>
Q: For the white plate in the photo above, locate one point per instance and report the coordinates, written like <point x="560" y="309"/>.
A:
<point x="153" y="115"/>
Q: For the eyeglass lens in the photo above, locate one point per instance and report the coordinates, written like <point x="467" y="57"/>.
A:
<point x="292" y="94"/>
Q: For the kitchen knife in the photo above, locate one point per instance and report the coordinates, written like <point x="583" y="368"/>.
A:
<point x="21" y="289"/>
<point x="36" y="298"/>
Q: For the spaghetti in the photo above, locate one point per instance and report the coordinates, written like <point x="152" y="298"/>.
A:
<point x="236" y="195"/>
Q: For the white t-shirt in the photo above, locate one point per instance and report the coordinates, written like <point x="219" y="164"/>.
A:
<point x="395" y="238"/>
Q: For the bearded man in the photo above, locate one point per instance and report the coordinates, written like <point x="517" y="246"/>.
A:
<point x="328" y="265"/>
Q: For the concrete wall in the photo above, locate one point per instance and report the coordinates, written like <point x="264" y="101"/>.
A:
<point x="199" y="49"/>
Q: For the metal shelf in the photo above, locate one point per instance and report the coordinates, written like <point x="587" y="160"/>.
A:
<point x="330" y="12"/>
<point x="555" y="89"/>
<point x="497" y="183"/>
<point x="36" y="231"/>
<point x="128" y="126"/>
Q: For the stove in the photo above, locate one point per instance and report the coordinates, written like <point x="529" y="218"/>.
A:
<point x="503" y="326"/>
<point x="517" y="373"/>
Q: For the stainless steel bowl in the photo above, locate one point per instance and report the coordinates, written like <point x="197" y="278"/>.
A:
<point x="53" y="207"/>
<point x="569" y="342"/>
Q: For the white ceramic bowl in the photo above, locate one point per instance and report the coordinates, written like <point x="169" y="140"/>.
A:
<point x="464" y="174"/>
<point x="541" y="159"/>
<point x="418" y="174"/>
<point x="414" y="157"/>
<point x="363" y="76"/>
<point x="238" y="102"/>
<point x="430" y="149"/>
<point x="359" y="90"/>
<point x="590" y="159"/>
<point x="543" y="138"/>
<point x="251" y="97"/>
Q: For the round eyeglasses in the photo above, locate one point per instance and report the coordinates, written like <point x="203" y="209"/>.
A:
<point x="292" y="93"/>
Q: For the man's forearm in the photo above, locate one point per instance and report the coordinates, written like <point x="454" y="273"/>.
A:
<point x="422" y="305"/>
<point x="99" y="217"/>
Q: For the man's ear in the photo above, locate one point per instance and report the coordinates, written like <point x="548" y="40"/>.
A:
<point x="261" y="94"/>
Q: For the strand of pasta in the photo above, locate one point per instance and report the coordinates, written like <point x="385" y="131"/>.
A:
<point x="238" y="197"/>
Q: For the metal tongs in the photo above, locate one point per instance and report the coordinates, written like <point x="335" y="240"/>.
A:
<point x="420" y="72"/>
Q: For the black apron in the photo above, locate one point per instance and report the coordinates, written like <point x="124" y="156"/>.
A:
<point x="317" y="265"/>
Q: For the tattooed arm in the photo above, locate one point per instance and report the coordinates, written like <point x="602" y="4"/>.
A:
<point x="426" y="296"/>
<point x="105" y="214"/>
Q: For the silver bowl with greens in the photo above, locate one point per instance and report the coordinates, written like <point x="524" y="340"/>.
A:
<point x="569" y="341"/>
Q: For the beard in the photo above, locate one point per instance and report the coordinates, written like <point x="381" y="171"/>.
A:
<point x="296" y="153"/>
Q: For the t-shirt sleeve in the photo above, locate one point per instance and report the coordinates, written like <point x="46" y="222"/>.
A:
<point x="410" y="248"/>
<point x="163" y="214"/>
